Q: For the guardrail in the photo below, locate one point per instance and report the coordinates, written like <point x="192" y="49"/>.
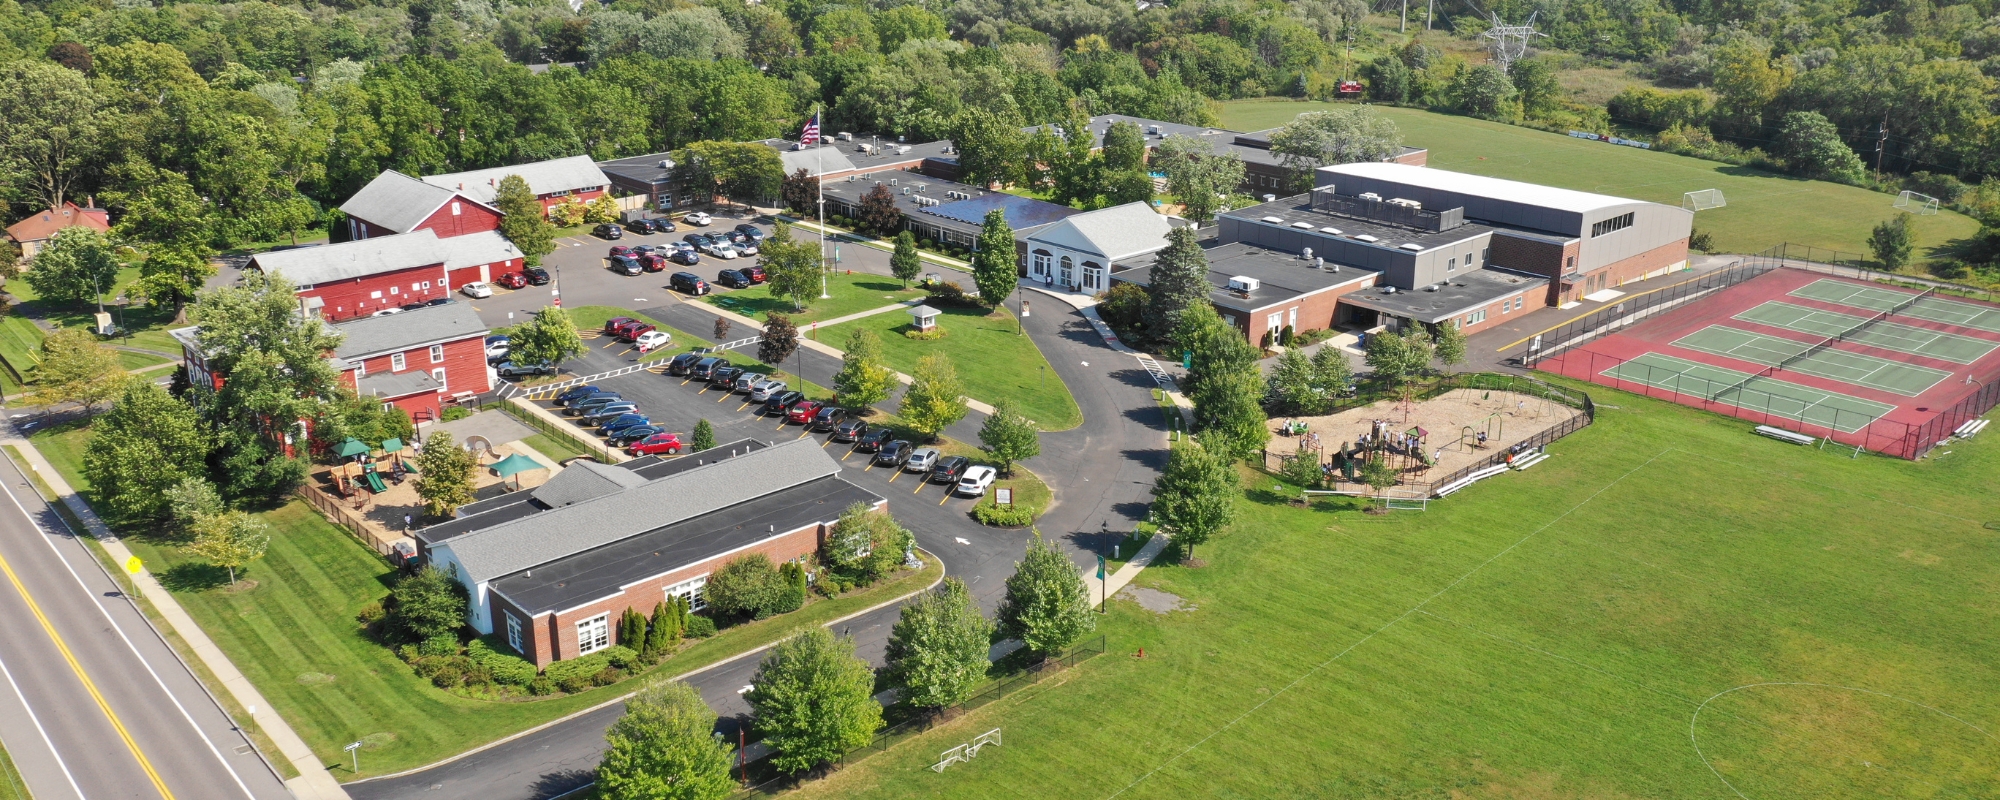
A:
<point x="548" y="390"/>
<point x="729" y="345"/>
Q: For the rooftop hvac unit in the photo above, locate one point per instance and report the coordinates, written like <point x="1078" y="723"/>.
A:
<point x="1331" y="230"/>
<point x="666" y="163"/>
<point x="1306" y="254"/>
<point x="923" y="187"/>
<point x="899" y="140"/>
<point x="1371" y="196"/>
<point x="947" y="149"/>
<point x="1362" y="237"/>
<point x="1409" y="204"/>
<point x="1320" y="263"/>
<point x="866" y="148"/>
<point x="1388" y="290"/>
<point x="1433" y="287"/>
<point x="845" y="136"/>
<point x="906" y="191"/>
<point x="798" y="146"/>
<point x="1270" y="198"/>
<point x="1244" y="283"/>
<point x="1303" y="225"/>
<point x="1275" y="220"/>
<point x="892" y="181"/>
<point x="1412" y="247"/>
<point x="851" y="178"/>
<point x="902" y="148"/>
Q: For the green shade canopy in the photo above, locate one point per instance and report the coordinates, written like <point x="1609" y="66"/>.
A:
<point x="515" y="464"/>
<point x="392" y="445"/>
<point x="351" y="448"/>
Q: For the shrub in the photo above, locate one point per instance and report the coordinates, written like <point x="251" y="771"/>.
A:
<point x="700" y="627"/>
<point x="1008" y="516"/>
<point x="607" y="676"/>
<point x="746" y="586"/>
<point x="621" y="656"/>
<point x="575" y="683"/>
<point x="541" y="687"/>
<point x="1122" y="307"/>
<point x="478" y="676"/>
<point x="426" y="605"/>
<point x="456" y="413"/>
<point x="931" y="335"/>
<point x="576" y="674"/>
<point x="505" y="668"/>
<point x="370" y="614"/>
<point x="447" y="677"/>
<point x="794" y="594"/>
<point x="1285" y="336"/>
<point x="947" y="293"/>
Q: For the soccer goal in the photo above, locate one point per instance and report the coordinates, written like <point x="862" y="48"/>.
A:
<point x="1703" y="200"/>
<point x="1917" y="203"/>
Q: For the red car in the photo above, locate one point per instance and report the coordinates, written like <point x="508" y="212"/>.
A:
<point x="631" y="333"/>
<point x="755" y="273"/>
<point x="669" y="443"/>
<point x="616" y="326"/>
<point x="803" y="412"/>
<point x="652" y="262"/>
<point x="620" y="250"/>
<point x="512" y="280"/>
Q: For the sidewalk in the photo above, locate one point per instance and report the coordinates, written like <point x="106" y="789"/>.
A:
<point x="1125" y="574"/>
<point x="314" y="782"/>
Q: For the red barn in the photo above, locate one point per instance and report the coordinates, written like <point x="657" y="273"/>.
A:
<point x="396" y="203"/>
<point x="478" y="257"/>
<point x="417" y="359"/>
<point x="358" y="278"/>
<point x="553" y="181"/>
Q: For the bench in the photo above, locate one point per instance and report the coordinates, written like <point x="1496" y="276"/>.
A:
<point x="1468" y="480"/>
<point x="1968" y="429"/>
<point x="1783" y="435"/>
<point x="1530" y="460"/>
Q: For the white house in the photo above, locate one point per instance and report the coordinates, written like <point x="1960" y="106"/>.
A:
<point x="1079" y="251"/>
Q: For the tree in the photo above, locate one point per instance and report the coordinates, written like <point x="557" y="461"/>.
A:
<point x="878" y="213"/>
<point x="1811" y="147"/>
<point x="867" y="543"/>
<point x="1128" y="186"/>
<point x="525" y="223"/>
<point x="601" y="209"/>
<point x="172" y="276"/>
<point x="1400" y="358"/>
<point x="746" y="586"/>
<point x="1039" y="155"/>
<point x="904" y="263"/>
<point x="230" y="540"/>
<point x="813" y="700"/>
<point x="74" y="368"/>
<point x="188" y="501"/>
<point x="444" y="475"/>
<point x="745" y="171"/>
<point x="937" y="650"/>
<point x="722" y="329"/>
<point x="665" y="748"/>
<point x="792" y="268"/>
<point x="75" y="267"/>
<point x="1343" y="135"/>
<point x="1009" y="437"/>
<point x="427" y="604"/>
<point x="801" y="192"/>
<point x="1196" y="176"/>
<point x="780" y="340"/>
<point x="147" y="444"/>
<point x="1124" y="147"/>
<point x="1225" y="384"/>
<point x="1292" y="386"/>
<point x="1047" y="606"/>
<point x="1178" y="282"/>
<point x="1535" y="79"/>
<point x="1331" y="372"/>
<point x="665" y="629"/>
<point x="632" y="631"/>
<point x="990" y="146"/>
<point x="51" y="131"/>
<point x="1449" y="344"/>
<point x="1076" y="168"/>
<point x="277" y="372"/>
<point x="1195" y="496"/>
<point x="1484" y="91"/>
<point x="935" y="399"/>
<point x="864" y="379"/>
<point x="1891" y="242"/>
<point x="548" y="337"/>
<point x="704" y="436"/>
<point x="1377" y="473"/>
<point x="993" y="269"/>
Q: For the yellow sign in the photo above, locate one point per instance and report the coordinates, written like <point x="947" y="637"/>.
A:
<point x="132" y="565"/>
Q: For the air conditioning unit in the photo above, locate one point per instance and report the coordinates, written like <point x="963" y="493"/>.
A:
<point x="1432" y="288"/>
<point x="1152" y="130"/>
<point x="866" y="148"/>
<point x="902" y="148"/>
<point x="1362" y="237"/>
<point x="947" y="149"/>
<point x="892" y="181"/>
<point x="923" y="187"/>
<point x="1244" y="283"/>
<point x="853" y="178"/>
<point x="845" y="136"/>
<point x="1371" y="196"/>
<point x="906" y="191"/>
<point x="798" y="146"/>
<point x="1409" y="204"/>
<point x="1270" y="198"/>
<point x="1331" y="230"/>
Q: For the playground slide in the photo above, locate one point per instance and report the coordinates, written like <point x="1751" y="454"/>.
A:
<point x="375" y="482"/>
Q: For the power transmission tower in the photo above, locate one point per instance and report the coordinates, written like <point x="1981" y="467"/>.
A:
<point x="1510" y="42"/>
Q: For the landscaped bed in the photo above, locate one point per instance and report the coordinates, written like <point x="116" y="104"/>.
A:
<point x="994" y="360"/>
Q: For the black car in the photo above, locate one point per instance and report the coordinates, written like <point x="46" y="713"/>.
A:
<point x="641" y="226"/>
<point x="734" y="279"/>
<point x="752" y="231"/>
<point x="699" y="241"/>
<point x="895" y="454"/>
<point x="618" y="423"/>
<point x="827" y="419"/>
<point x="663" y="225"/>
<point x="626" y="264"/>
<point x="687" y="283"/>
<point x="632" y="434"/>
<point x="574" y="392"/>
<point x="949" y="469"/>
<point x="536" y="276"/>
<point x="608" y="412"/>
<point x="416" y="306"/>
<point x="609" y="231"/>
<point x="782" y="403"/>
<point x="678" y="365"/>
<point x="686" y="258"/>
<point x="873" y="439"/>
<point x="586" y="397"/>
<point x="724" y="377"/>
<point x="705" y="368"/>
<point x="437" y="301"/>
<point x="849" y="430"/>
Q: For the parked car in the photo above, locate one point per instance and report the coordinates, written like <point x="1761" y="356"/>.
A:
<point x="626" y="265"/>
<point x="894" y="454"/>
<point x="734" y="279"/>
<point x="653" y="340"/>
<point x="585" y="397"/>
<point x="698" y="241"/>
<point x="723" y="250"/>
<point x="514" y="370"/>
<point x="747" y="383"/>
<point x="414" y="306"/>
<point x="477" y="290"/>
<point x="678" y="365"/>
<point x="705" y="368"/>
<point x="438" y="301"/>
<point x="697" y="218"/>
<point x="687" y="283"/>
<point x="589" y="404"/>
<point x="631" y="333"/>
<point x="781" y="403"/>
<point x="685" y="258"/>
<point x="627" y="436"/>
<point x="663" y="225"/>
<point x="621" y="422"/>
<point x="827" y="418"/>
<point x="922" y="459"/>
<point x="742" y="243"/>
<point x="975" y="481"/>
<point x="652" y="262"/>
<point x="765" y="388"/>
<point x="577" y="391"/>
<point x="873" y="439"/>
<point x="949" y="469"/>
<point x="641" y="226"/>
<point x="512" y="280"/>
<point x="609" y="231"/>
<point x="537" y="276"/>
<point x="755" y="233"/>
<point x="668" y="443"/>
<point x="803" y="411"/>
<point x="612" y="325"/>
<point x="849" y="430"/>
<point x="386" y="312"/>
<point x="755" y="272"/>
<point x="724" y="377"/>
<point x="609" y="411"/>
<point x="496" y="352"/>
<point x="621" y="250"/>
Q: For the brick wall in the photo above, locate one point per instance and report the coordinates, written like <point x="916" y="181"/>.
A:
<point x="550" y="201"/>
<point x="1316" y="312"/>
<point x="356" y="298"/>
<point x="1644" y="265"/>
<point x="1414" y="159"/>
<point x="1501" y="311"/>
<point x="1535" y="257"/>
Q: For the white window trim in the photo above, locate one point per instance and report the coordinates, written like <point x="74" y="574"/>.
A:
<point x="395" y="290"/>
<point x="1451" y="264"/>
<point x="396" y="362"/>
<point x="437" y="354"/>
<point x="593" y="634"/>
<point x="692" y="590"/>
<point x="514" y="632"/>
<point x="439" y="374"/>
<point x="360" y="368"/>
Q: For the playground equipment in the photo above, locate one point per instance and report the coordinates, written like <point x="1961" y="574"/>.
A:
<point x="1493" y="426"/>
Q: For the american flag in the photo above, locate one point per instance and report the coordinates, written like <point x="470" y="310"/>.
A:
<point x="811" y="133"/>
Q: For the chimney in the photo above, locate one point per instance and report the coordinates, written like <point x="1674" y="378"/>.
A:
<point x="492" y="182"/>
<point x="90" y="201"/>
<point x="461" y="186"/>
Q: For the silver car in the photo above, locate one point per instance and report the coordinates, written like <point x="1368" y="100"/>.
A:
<point x="747" y="382"/>
<point x="766" y="388"/>
<point x="922" y="460"/>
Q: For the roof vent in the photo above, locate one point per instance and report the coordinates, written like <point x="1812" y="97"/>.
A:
<point x="774" y="529"/>
<point x="1334" y="231"/>
<point x="665" y="163"/>
<point x="1412" y="247"/>
<point x="1307" y="254"/>
<point x="1275" y="220"/>
<point x="1362" y="237"/>
<point x="1433" y="287"/>
<point x="1270" y="198"/>
<point x="1303" y="225"/>
<point x="1388" y="290"/>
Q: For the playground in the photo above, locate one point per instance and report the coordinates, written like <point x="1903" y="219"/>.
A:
<point x="1452" y="430"/>
<point x="378" y="480"/>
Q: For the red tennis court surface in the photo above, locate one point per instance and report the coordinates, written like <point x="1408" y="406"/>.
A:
<point x="1888" y="368"/>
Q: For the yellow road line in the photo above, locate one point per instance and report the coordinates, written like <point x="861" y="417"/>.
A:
<point x="1523" y="340"/>
<point x="88" y="685"/>
<point x="781" y="425"/>
<point x="746" y="404"/>
<point x="805" y="433"/>
<point x="899" y="473"/>
<point x="947" y="495"/>
<point x="920" y="486"/>
<point x="829" y="443"/>
<point x="850" y="452"/>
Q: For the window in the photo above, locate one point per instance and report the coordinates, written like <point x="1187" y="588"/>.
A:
<point x="1468" y="261"/>
<point x="1041" y="262"/>
<point x="514" y="634"/>
<point x="1617" y="223"/>
<point x="1450" y="264"/>
<point x="396" y="363"/>
<point x="360" y="369"/>
<point x="395" y="290"/>
<point x="1275" y="321"/>
<point x="1475" y="317"/>
<point x="439" y="375"/>
<point x="691" y="591"/>
<point x="437" y="353"/>
<point x="454" y="212"/>
<point x="1506" y="306"/>
<point x="1518" y="301"/>
<point x="593" y="634"/>
<point x="1292" y="317"/>
<point x="1483" y="254"/>
<point x="387" y="406"/>
<point x="375" y="295"/>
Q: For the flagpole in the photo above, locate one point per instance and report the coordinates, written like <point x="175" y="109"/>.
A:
<point x="819" y="187"/>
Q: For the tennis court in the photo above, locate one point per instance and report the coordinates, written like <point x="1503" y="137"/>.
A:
<point x="1876" y="298"/>
<point x="1908" y="380"/>
<point x="1844" y="413"/>
<point x="1884" y="334"/>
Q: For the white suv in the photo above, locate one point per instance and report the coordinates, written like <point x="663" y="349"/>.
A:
<point x="975" y="481"/>
<point x="766" y="389"/>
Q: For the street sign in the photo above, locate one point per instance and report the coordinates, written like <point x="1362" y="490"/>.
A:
<point x="355" y="749"/>
<point x="133" y="565"/>
<point x="1003" y="497"/>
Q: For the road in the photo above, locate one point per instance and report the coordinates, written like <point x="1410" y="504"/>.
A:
<point x="93" y="703"/>
<point x="1101" y="471"/>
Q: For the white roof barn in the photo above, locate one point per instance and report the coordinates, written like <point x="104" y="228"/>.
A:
<point x="545" y="178"/>
<point x="311" y="266"/>
<point x="1118" y="232"/>
<point x="396" y="201"/>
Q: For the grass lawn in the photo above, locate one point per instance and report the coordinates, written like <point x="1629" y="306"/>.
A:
<point x="851" y="294"/>
<point x="131" y="361"/>
<point x="1817" y="626"/>
<point x="1764" y="208"/>
<point x="683" y="341"/>
<point x="11" y="786"/>
<point x="993" y="360"/>
<point x="293" y="634"/>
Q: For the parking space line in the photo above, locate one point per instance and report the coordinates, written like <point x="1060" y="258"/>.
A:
<point x="725" y="396"/>
<point x="920" y="486"/>
<point x="850" y="452"/>
<point x="805" y="433"/>
<point x="829" y="443"/>
<point x="899" y="473"/>
<point x="946" y="498"/>
<point x="746" y="404"/>
<point x="870" y="467"/>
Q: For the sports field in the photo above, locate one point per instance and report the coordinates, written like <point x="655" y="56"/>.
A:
<point x="1764" y="208"/>
<point x="1908" y="380"/>
<point x="1792" y="401"/>
<point x="1886" y="335"/>
<point x="1876" y="298"/>
<point x="1668" y="607"/>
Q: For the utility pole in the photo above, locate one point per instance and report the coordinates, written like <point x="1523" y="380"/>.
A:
<point x="1881" y="143"/>
<point x="1429" y="13"/>
<point x="1405" y="26"/>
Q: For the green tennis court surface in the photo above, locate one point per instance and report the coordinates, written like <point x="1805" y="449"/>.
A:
<point x="1908" y="380"/>
<point x="1874" y="298"/>
<point x="1884" y="334"/>
<point x="1778" y="398"/>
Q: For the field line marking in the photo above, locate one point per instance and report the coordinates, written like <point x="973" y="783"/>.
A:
<point x="1696" y="717"/>
<point x="1416" y="609"/>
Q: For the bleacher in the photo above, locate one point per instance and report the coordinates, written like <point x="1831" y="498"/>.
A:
<point x="1783" y="435"/>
